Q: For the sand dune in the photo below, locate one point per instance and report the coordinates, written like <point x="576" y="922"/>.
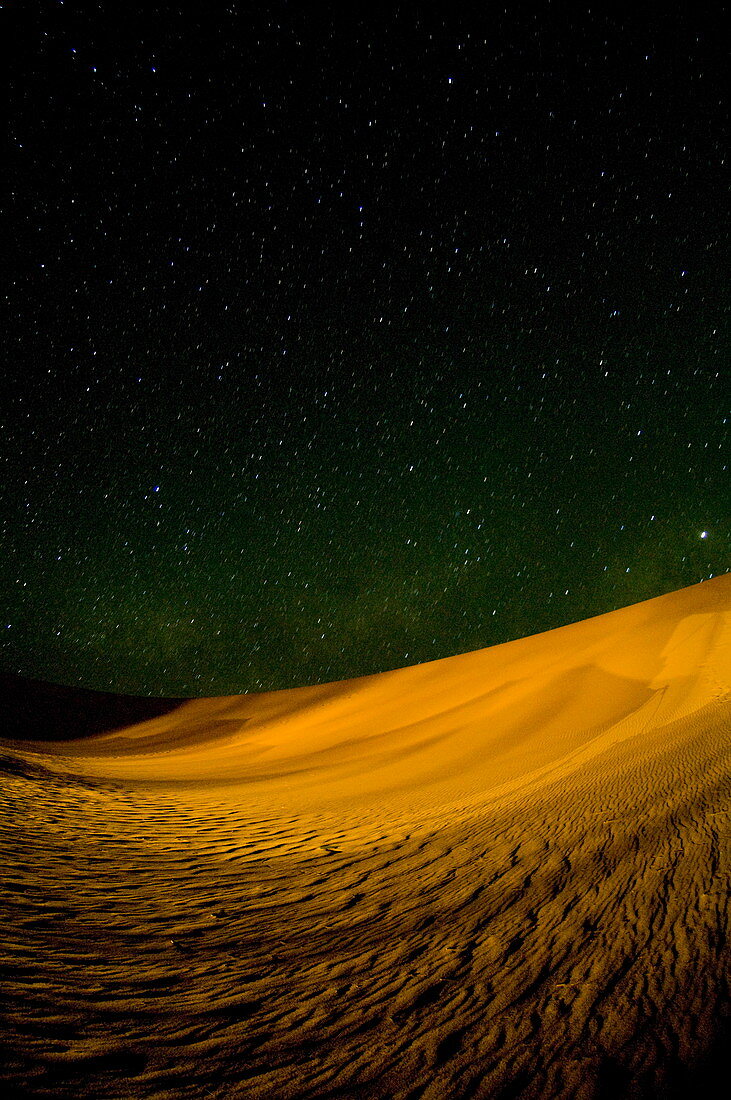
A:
<point x="504" y="874"/>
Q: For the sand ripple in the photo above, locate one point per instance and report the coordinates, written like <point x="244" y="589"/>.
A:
<point x="434" y="883"/>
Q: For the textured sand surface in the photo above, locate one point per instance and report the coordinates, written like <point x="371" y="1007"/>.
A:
<point x="504" y="874"/>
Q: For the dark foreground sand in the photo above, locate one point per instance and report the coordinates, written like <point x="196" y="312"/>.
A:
<point x="500" y="875"/>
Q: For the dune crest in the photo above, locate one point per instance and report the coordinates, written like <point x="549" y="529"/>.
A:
<point x="503" y="873"/>
<point x="494" y="714"/>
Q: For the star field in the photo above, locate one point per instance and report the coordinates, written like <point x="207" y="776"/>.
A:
<point x="340" y="343"/>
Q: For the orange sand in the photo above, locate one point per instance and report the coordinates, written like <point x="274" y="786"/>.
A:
<point x="504" y="874"/>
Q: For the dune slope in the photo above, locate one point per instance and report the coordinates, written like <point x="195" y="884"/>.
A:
<point x="504" y="874"/>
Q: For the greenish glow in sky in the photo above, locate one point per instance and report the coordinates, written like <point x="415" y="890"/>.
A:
<point x="340" y="345"/>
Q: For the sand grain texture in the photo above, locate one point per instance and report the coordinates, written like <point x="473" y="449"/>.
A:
<point x="504" y="874"/>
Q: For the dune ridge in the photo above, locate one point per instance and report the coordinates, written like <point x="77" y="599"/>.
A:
<point x="501" y="874"/>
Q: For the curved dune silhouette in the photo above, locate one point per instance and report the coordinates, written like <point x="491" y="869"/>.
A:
<point x="503" y="874"/>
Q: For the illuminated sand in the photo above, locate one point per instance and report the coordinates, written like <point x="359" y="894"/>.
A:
<point x="504" y="874"/>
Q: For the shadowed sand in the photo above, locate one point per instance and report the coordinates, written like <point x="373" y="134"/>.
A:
<point x="504" y="874"/>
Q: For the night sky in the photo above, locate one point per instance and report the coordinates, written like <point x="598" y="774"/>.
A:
<point x="341" y="341"/>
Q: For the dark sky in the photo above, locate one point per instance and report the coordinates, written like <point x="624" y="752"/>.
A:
<point x="341" y="341"/>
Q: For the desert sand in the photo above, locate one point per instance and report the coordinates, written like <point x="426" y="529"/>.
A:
<point x="503" y="874"/>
